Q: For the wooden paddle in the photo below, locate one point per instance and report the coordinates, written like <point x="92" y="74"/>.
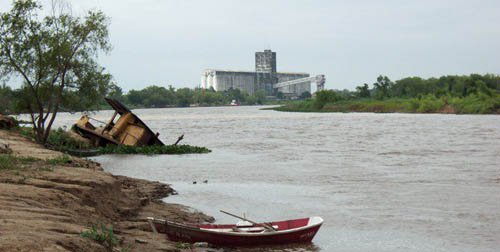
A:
<point x="253" y="222"/>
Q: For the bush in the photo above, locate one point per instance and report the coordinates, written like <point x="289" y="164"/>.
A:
<point x="476" y="104"/>
<point x="58" y="139"/>
<point x="251" y="100"/>
<point x="430" y="103"/>
<point x="412" y="105"/>
<point x="425" y="104"/>
<point x="101" y="234"/>
<point x="326" y="96"/>
<point x="61" y="140"/>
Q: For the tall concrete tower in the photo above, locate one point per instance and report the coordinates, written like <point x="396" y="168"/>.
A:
<point x="265" y="61"/>
<point x="265" y="68"/>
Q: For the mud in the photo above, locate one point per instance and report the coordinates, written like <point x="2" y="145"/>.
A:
<point x="45" y="207"/>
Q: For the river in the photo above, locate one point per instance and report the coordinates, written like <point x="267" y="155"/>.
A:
<point x="381" y="182"/>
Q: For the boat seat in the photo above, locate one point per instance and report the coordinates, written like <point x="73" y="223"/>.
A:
<point x="236" y="229"/>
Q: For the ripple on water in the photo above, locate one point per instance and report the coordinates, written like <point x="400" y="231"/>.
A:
<point x="382" y="182"/>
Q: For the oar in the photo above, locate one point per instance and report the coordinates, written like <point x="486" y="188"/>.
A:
<point x="253" y="222"/>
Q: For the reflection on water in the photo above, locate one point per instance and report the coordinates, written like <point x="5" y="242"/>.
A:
<point x="381" y="182"/>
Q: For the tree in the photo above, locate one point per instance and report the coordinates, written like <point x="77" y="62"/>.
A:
<point x="326" y="96"/>
<point x="184" y="97"/>
<point x="234" y="94"/>
<point x="116" y="92"/>
<point x="281" y="95"/>
<point x="363" y="91"/>
<point x="305" y="95"/>
<point x="261" y="96"/>
<point x="251" y="100"/>
<point x="383" y="87"/>
<point x="346" y="94"/>
<point x="54" y="56"/>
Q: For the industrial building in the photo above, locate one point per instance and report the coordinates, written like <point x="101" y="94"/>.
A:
<point x="265" y="78"/>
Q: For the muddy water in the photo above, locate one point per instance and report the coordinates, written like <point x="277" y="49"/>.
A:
<point x="382" y="182"/>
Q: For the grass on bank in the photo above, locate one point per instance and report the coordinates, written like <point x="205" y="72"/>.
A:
<point x="61" y="160"/>
<point x="472" y="104"/>
<point x="8" y="162"/>
<point x="360" y="105"/>
<point x="13" y="162"/>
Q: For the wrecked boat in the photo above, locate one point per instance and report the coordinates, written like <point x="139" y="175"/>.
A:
<point x="123" y="128"/>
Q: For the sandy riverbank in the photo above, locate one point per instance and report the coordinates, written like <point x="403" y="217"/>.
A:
<point x="44" y="206"/>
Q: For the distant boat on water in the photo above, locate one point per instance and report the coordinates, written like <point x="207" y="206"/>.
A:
<point x="234" y="103"/>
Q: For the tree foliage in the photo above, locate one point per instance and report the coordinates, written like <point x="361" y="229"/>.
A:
<point x="472" y="94"/>
<point x="54" y="57"/>
<point x="159" y="97"/>
<point x="416" y="87"/>
<point x="304" y="95"/>
<point x="383" y="87"/>
<point x="326" y="96"/>
<point x="363" y="91"/>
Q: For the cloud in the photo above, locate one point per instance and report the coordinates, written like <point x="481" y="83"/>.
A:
<point x="170" y="42"/>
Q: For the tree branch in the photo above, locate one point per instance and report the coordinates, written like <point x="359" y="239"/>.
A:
<point x="56" y="105"/>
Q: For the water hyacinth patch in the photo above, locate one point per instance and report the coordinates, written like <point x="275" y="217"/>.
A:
<point x="152" y="150"/>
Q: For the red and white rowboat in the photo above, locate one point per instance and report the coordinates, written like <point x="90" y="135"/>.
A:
<point x="248" y="234"/>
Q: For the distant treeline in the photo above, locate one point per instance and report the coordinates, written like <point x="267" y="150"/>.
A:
<point x="414" y="87"/>
<point x="13" y="101"/>
<point x="451" y="94"/>
<point x="474" y="93"/>
<point x="160" y="97"/>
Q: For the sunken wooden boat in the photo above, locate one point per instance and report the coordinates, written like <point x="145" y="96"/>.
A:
<point x="243" y="234"/>
<point x="123" y="128"/>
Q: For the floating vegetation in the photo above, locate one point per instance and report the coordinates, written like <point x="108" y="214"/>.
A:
<point x="61" y="140"/>
<point x="152" y="150"/>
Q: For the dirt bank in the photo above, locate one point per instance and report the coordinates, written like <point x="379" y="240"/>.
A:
<point x="47" y="200"/>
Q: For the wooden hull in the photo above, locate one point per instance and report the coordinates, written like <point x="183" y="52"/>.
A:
<point x="209" y="233"/>
<point x="127" y="130"/>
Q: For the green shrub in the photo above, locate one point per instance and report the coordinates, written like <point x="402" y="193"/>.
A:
<point x="182" y="245"/>
<point x="476" y="104"/>
<point x="425" y="104"/>
<point x="326" y="96"/>
<point x="60" y="139"/>
<point x="430" y="103"/>
<point x="101" y="234"/>
<point x="412" y="105"/>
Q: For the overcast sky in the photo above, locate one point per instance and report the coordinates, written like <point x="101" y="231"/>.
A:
<point x="170" y="42"/>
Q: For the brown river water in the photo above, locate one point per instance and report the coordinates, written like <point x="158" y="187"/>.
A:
<point x="381" y="182"/>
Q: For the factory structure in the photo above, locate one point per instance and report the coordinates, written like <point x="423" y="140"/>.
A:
<point x="265" y="78"/>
